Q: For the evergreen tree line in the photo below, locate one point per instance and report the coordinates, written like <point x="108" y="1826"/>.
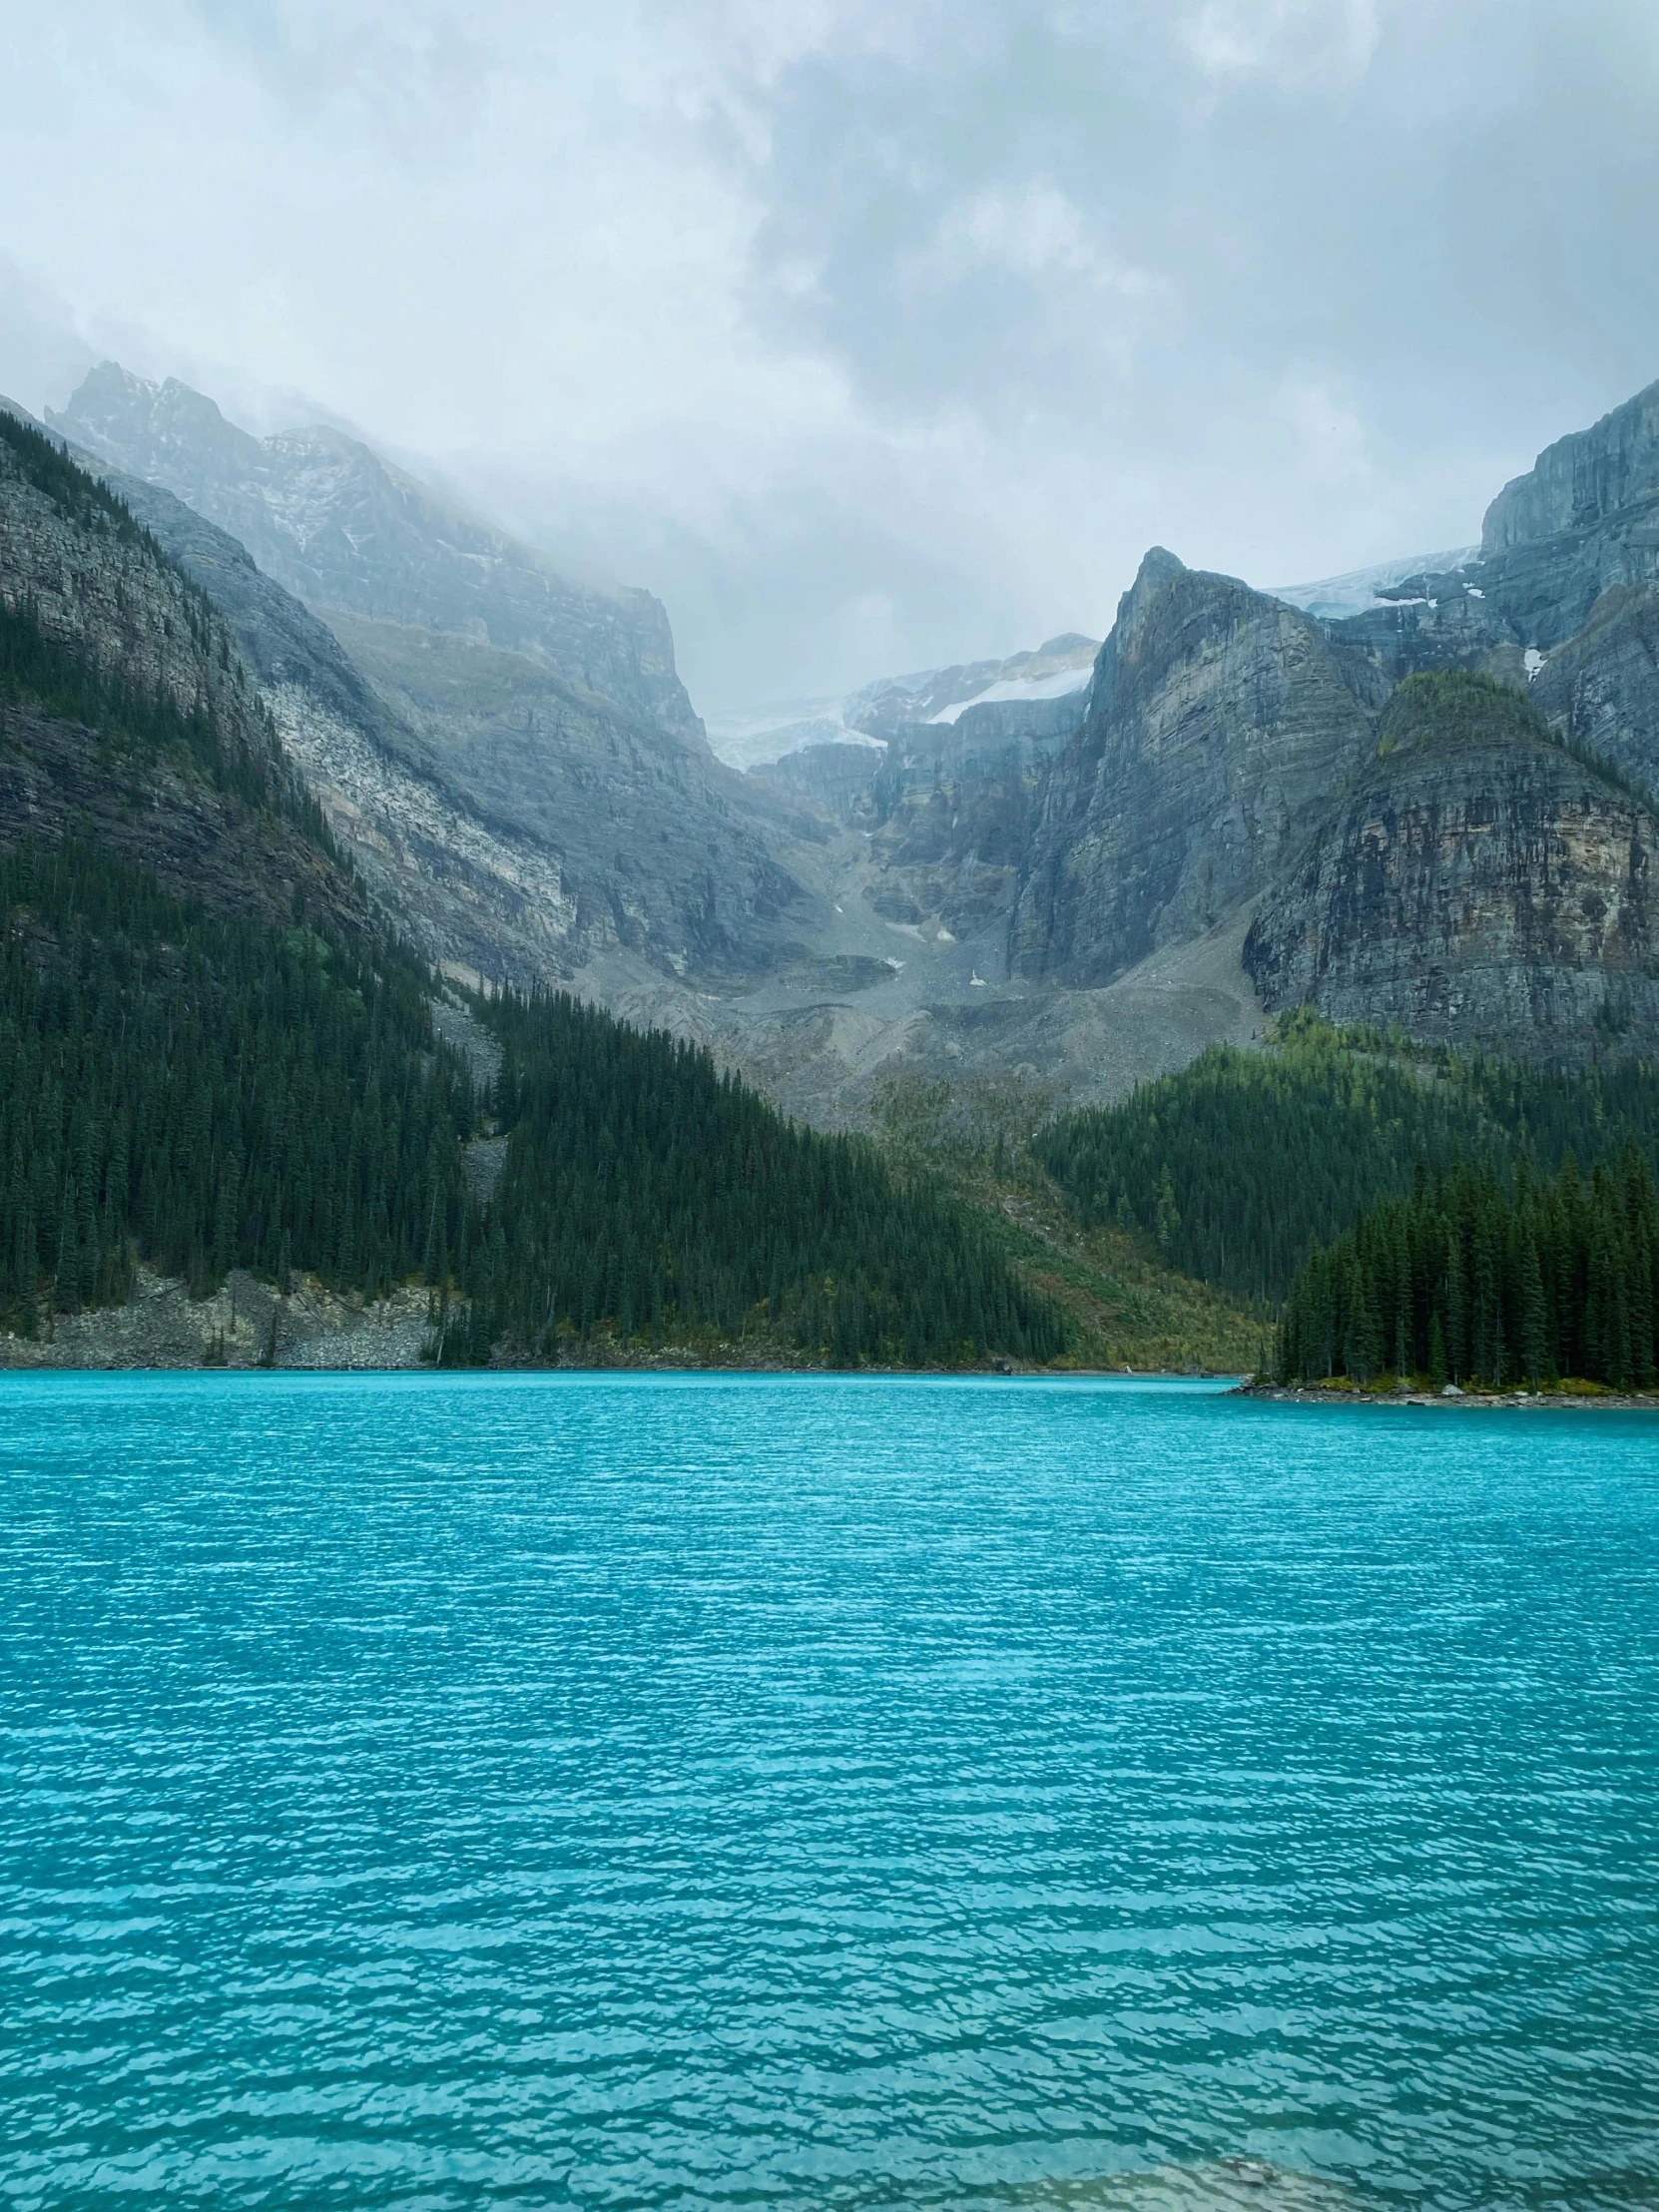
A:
<point x="83" y="498"/>
<point x="208" y="1093"/>
<point x="647" y="1195"/>
<point x="1239" y="1162"/>
<point x="1472" y="1278"/>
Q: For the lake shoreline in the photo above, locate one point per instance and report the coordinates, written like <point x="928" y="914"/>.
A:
<point x="1519" y="1402"/>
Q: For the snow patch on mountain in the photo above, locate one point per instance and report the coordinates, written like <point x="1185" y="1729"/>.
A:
<point x="1060" y="683"/>
<point x="1335" y="598"/>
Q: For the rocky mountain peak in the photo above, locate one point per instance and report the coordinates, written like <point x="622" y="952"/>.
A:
<point x="1583" y="480"/>
<point x="1218" y="721"/>
<point x="1159" y="569"/>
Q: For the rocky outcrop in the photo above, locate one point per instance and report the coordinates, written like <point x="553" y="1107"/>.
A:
<point x="340" y="527"/>
<point x="1475" y="885"/>
<point x="1220" y="723"/>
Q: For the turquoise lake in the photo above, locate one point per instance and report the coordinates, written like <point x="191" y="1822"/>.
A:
<point x="640" y="1792"/>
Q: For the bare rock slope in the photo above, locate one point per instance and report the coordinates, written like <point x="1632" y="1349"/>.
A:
<point x="1220" y="724"/>
<point x="1475" y="884"/>
<point x="515" y="826"/>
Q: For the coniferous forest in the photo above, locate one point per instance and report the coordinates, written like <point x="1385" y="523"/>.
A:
<point x="206" y="1093"/>
<point x="1473" y="1278"/>
<point x="1241" y="1160"/>
<point x="203" y="1093"/>
<point x="645" y="1191"/>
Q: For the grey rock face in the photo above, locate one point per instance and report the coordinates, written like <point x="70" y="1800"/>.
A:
<point x="660" y="850"/>
<point x="834" y="780"/>
<point x="1600" y="690"/>
<point x="949" y="795"/>
<point x="1582" y="482"/>
<point x="1582" y="521"/>
<point x="111" y="597"/>
<point x="1499" y="894"/>
<point x="340" y="527"/>
<point x="1220" y="725"/>
<point x="955" y="804"/>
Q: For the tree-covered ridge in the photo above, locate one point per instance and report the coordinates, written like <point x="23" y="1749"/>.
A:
<point x="1445" y="707"/>
<point x="200" y="1093"/>
<point x="1452" y="707"/>
<point x="42" y="462"/>
<point x="647" y="1195"/>
<point x="1473" y="1280"/>
<point x="1241" y="1160"/>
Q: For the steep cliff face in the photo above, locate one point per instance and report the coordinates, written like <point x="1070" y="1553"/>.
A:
<point x="1475" y="885"/>
<point x="1584" y="482"/>
<point x="953" y="809"/>
<point x="340" y="527"/>
<point x="1221" y="724"/>
<point x="1600" y="690"/>
<point x="216" y="821"/>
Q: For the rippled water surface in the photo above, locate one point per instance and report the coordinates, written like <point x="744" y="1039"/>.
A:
<point x="449" y="1791"/>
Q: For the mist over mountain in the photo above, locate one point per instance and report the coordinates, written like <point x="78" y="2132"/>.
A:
<point x="341" y="527"/>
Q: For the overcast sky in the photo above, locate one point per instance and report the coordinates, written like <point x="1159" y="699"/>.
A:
<point x="867" y="335"/>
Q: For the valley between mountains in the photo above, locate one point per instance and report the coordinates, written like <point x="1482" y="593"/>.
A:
<point x="289" y="688"/>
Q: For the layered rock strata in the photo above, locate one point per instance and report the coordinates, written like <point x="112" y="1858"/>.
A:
<point x="1478" y="887"/>
<point x="1221" y="722"/>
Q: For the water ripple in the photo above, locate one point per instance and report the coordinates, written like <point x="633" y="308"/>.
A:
<point x="667" y="1793"/>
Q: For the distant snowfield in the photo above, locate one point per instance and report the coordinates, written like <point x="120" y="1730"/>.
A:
<point x="746" y="741"/>
<point x="1026" y="690"/>
<point x="1055" y="670"/>
<point x="1357" y="592"/>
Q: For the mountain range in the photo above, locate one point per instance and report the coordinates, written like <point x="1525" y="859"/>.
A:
<point x="1074" y="867"/>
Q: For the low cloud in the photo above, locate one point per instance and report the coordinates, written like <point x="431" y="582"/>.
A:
<point x="863" y="333"/>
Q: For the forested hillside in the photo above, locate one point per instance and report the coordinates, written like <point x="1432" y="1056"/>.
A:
<point x="645" y="1194"/>
<point x="1470" y="1279"/>
<point x="205" y="1092"/>
<point x="1239" y="1162"/>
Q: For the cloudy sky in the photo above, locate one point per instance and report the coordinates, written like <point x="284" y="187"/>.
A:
<point x="870" y="333"/>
